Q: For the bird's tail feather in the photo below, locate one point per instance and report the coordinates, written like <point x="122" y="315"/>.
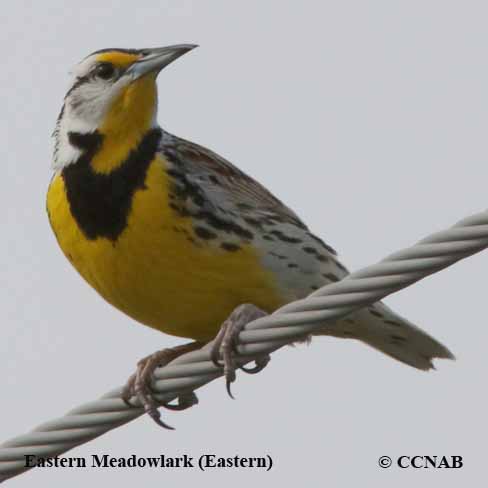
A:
<point x="391" y="334"/>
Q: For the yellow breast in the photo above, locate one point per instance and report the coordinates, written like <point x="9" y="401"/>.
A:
<point x="157" y="271"/>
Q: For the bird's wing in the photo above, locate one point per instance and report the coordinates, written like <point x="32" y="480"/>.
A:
<point x="225" y="187"/>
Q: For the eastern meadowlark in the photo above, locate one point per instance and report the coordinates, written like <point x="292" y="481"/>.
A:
<point x="177" y="237"/>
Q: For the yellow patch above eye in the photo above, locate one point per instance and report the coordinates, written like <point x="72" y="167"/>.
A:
<point x="118" y="58"/>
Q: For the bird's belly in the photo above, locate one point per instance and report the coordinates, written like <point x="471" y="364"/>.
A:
<point x="156" y="272"/>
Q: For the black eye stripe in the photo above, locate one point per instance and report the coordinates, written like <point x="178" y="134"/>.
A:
<point x="79" y="82"/>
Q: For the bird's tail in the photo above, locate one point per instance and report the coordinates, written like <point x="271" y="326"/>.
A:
<point x="391" y="334"/>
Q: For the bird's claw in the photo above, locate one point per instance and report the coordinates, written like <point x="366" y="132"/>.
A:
<point x="224" y="346"/>
<point x="139" y="384"/>
<point x="185" y="400"/>
<point x="259" y="364"/>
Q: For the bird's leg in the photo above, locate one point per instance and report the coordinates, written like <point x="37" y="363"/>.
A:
<point x="225" y="342"/>
<point x="139" y="384"/>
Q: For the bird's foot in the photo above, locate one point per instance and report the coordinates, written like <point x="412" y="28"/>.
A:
<point x="225" y="343"/>
<point x="139" y="383"/>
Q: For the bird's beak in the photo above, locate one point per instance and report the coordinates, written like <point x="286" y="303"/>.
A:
<point x="154" y="60"/>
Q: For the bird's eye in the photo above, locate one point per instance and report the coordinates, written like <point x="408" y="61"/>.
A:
<point x="105" y="71"/>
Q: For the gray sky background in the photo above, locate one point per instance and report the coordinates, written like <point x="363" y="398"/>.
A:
<point x="370" y="120"/>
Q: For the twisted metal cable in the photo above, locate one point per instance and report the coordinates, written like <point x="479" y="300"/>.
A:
<point x="292" y="322"/>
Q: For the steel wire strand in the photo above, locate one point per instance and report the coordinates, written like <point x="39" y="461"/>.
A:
<point x="292" y="322"/>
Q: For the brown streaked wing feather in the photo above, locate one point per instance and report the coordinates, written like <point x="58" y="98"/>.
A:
<point x="223" y="183"/>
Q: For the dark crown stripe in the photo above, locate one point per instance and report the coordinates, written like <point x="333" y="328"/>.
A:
<point x="101" y="203"/>
<point x="117" y="49"/>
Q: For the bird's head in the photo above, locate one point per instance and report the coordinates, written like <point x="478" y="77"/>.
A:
<point x="113" y="95"/>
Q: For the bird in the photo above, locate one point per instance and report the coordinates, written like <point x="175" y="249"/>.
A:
<point x="177" y="237"/>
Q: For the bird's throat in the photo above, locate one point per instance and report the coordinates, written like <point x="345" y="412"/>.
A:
<point x="132" y="114"/>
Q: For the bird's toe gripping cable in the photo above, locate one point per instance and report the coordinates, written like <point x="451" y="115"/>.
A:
<point x="139" y="384"/>
<point x="225" y="343"/>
